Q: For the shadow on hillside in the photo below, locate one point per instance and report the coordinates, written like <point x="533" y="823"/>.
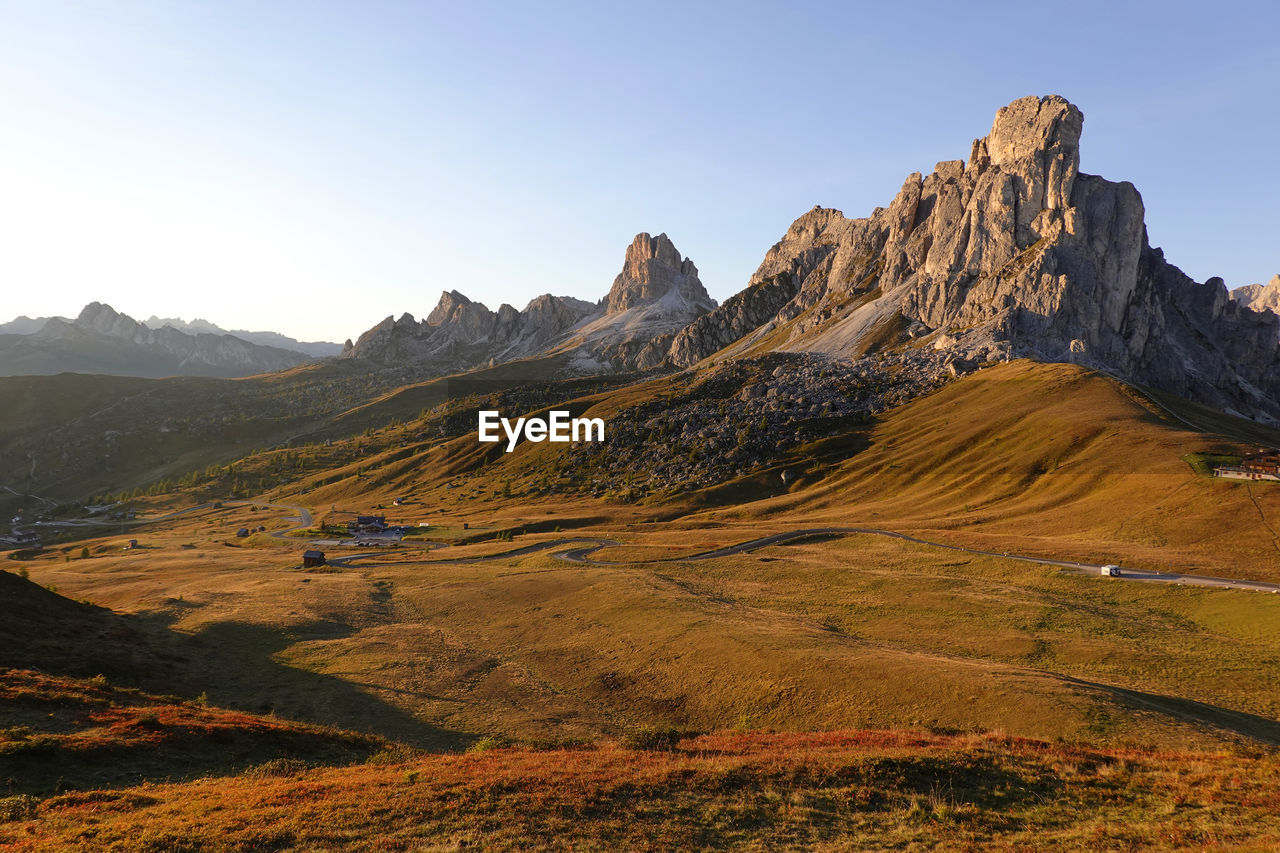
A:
<point x="1241" y="723"/>
<point x="234" y="664"/>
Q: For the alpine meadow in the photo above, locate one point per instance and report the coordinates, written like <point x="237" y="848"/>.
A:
<point x="956" y="528"/>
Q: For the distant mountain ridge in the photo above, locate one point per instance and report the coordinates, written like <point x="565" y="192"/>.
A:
<point x="656" y="294"/>
<point x="315" y="349"/>
<point x="24" y="325"/>
<point x="102" y="340"/>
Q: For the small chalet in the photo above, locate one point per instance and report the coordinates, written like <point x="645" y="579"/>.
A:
<point x="1255" y="466"/>
<point x="368" y="524"/>
<point x="1263" y="463"/>
<point x="311" y="559"/>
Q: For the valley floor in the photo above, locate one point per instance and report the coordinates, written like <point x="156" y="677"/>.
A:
<point x="869" y="692"/>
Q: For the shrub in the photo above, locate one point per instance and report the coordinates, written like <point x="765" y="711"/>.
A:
<point x="394" y="754"/>
<point x="20" y="807"/>
<point x="278" y="767"/>
<point x="654" y="739"/>
<point x="487" y="743"/>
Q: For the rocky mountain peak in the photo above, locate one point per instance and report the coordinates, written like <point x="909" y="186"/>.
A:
<point x="1036" y="141"/>
<point x="1260" y="297"/>
<point x="104" y="319"/>
<point x="656" y="294"/>
<point x="451" y="303"/>
<point x="652" y="269"/>
<point x="1012" y="253"/>
<point x="1031" y="126"/>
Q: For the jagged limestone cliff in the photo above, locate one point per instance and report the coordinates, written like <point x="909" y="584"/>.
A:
<point x="1012" y="252"/>
<point x="656" y="294"/>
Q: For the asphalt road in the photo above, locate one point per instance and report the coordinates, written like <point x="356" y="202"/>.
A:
<point x="583" y="555"/>
<point x="579" y="550"/>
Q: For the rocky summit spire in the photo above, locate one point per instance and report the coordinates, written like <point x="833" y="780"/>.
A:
<point x="1038" y="140"/>
<point x="653" y="268"/>
<point x="1012" y="253"/>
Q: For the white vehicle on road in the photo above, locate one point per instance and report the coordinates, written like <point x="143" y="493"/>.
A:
<point x="1111" y="571"/>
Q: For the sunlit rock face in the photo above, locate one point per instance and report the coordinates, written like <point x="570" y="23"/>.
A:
<point x="1260" y="297"/>
<point x="1010" y="252"/>
<point x="656" y="294"/>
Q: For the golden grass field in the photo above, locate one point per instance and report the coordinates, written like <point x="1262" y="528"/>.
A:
<point x="838" y="791"/>
<point x="1048" y="708"/>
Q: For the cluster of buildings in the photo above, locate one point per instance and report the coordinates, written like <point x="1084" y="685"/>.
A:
<point x="20" y="539"/>
<point x="1264" y="465"/>
<point x="374" y="530"/>
<point x="368" y="530"/>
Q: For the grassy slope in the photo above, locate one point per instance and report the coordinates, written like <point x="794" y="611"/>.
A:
<point x="1054" y="460"/>
<point x="1048" y="459"/>
<point x="813" y="636"/>
<point x="59" y="734"/>
<point x="839" y="634"/>
<point x="69" y="436"/>
<point x="66" y="721"/>
<point x="836" y="791"/>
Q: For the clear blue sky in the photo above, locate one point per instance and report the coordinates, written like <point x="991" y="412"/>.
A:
<point x="312" y="167"/>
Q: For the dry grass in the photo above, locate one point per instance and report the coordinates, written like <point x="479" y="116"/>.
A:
<point x="845" y="633"/>
<point x="59" y="733"/>
<point x="833" y="791"/>
<point x="1051" y="460"/>
<point x="822" y="635"/>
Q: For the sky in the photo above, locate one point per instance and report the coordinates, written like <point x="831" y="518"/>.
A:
<point x="312" y="167"/>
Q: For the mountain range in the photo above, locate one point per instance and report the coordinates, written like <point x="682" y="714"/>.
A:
<point x="1008" y="253"/>
<point x="102" y="340"/>
<point x="1012" y="252"/>
<point x="315" y="349"/>
<point x="656" y="294"/>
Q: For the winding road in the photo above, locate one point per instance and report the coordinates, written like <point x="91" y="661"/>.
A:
<point x="580" y="549"/>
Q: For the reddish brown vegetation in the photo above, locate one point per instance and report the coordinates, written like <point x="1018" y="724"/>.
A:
<point x="836" y="790"/>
